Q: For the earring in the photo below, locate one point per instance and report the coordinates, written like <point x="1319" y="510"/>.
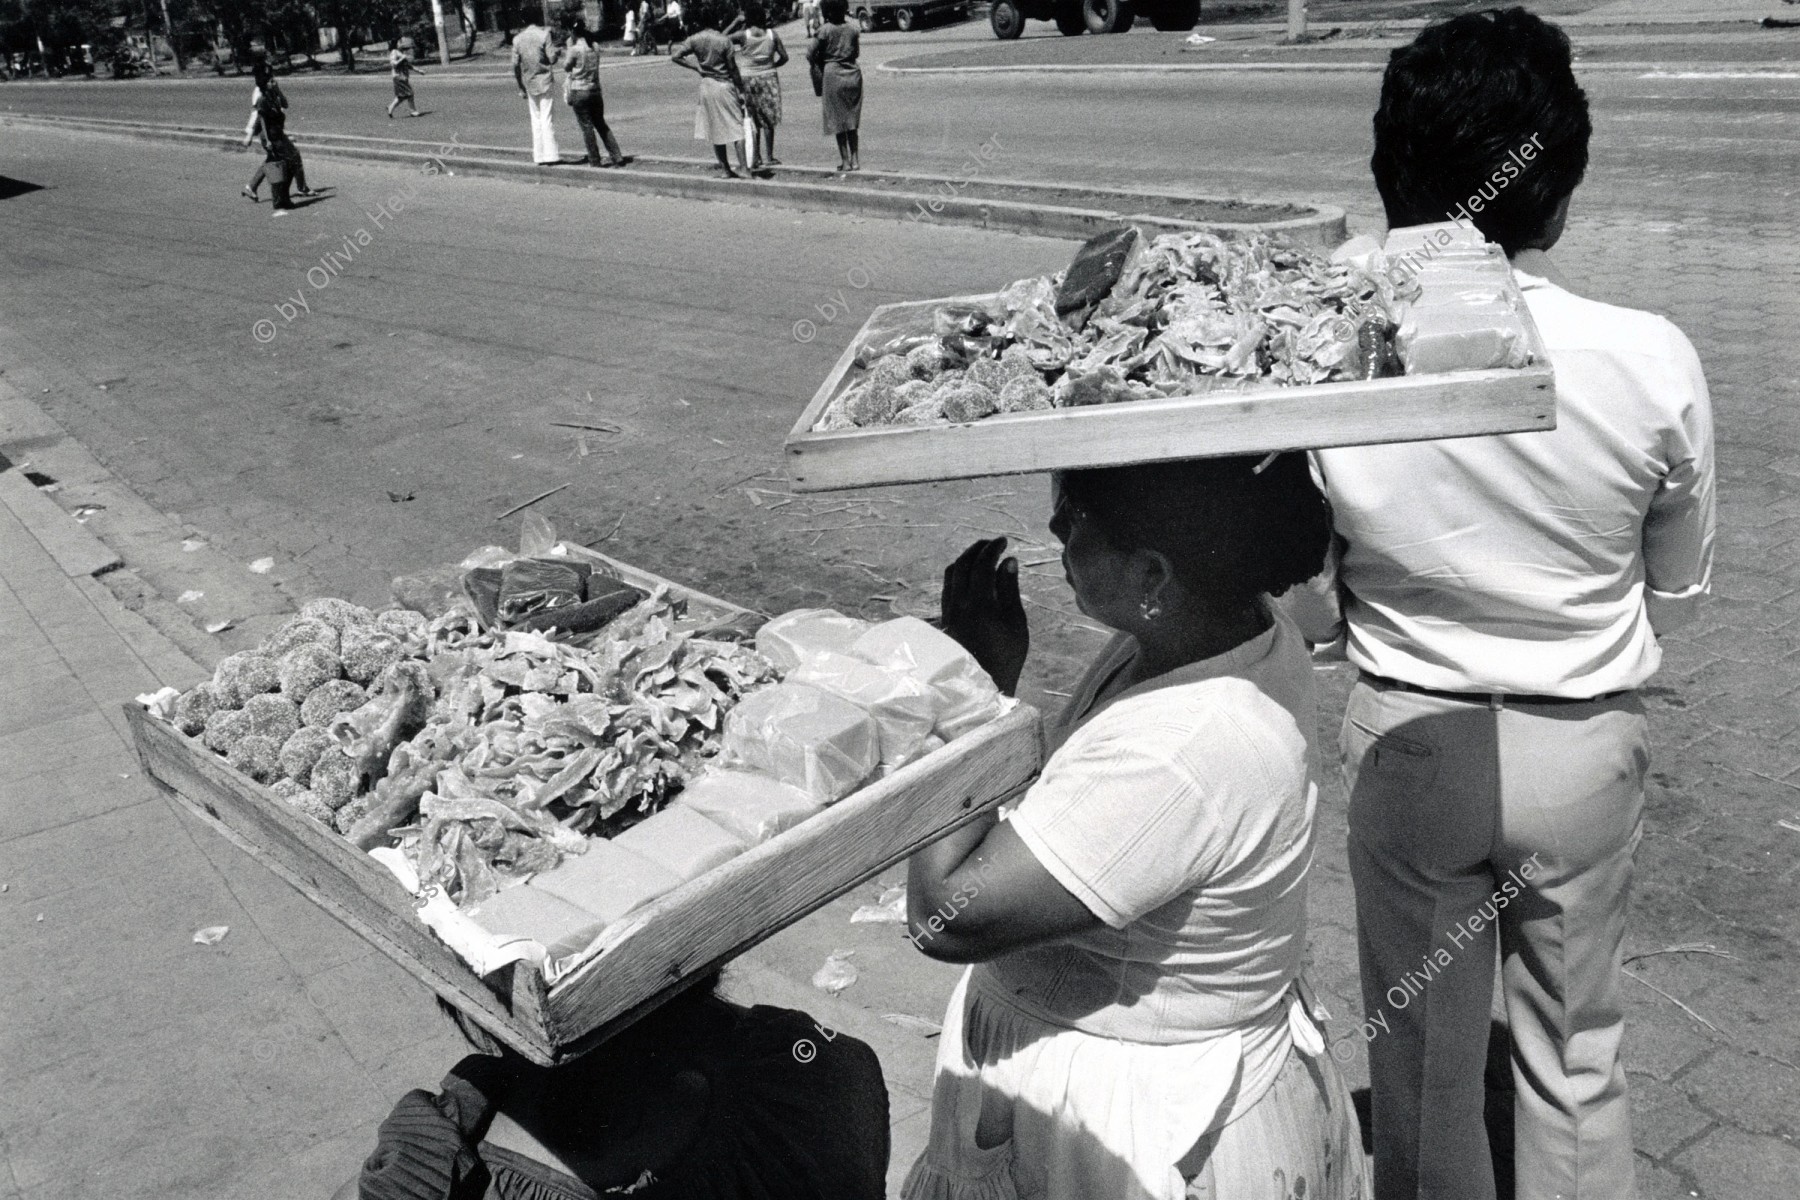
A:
<point x="1150" y="609"/>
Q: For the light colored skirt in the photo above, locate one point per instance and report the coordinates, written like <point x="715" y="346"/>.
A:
<point x="720" y="118"/>
<point x="843" y="98"/>
<point x="763" y="91"/>
<point x="1077" y="1116"/>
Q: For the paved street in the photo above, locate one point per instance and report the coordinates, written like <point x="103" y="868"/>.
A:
<point x="383" y="428"/>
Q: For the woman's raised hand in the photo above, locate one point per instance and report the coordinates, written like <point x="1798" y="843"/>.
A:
<point x="981" y="609"/>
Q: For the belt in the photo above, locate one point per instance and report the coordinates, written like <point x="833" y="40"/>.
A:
<point x="1494" y="700"/>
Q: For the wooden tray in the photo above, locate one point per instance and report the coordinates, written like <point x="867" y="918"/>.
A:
<point x="680" y="938"/>
<point x="1255" y="420"/>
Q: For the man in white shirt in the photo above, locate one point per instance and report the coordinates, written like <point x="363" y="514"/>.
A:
<point x="1502" y="597"/>
<point x="535" y="50"/>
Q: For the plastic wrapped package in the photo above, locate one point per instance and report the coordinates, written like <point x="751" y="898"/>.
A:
<point x="607" y="880"/>
<point x="547" y="919"/>
<point x="533" y="585"/>
<point x="747" y="805"/>
<point x="820" y="743"/>
<point x="904" y="707"/>
<point x="792" y="636"/>
<point x="1470" y="331"/>
<point x="682" y="840"/>
<point x="967" y="697"/>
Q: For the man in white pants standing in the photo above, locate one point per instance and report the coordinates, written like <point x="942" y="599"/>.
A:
<point x="1503" y="597"/>
<point x="534" y="53"/>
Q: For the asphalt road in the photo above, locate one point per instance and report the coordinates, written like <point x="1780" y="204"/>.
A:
<point x="433" y="361"/>
<point x="1285" y="135"/>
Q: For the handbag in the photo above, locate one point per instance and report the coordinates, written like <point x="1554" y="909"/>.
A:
<point x="818" y="78"/>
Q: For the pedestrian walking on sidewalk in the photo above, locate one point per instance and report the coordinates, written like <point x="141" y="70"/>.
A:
<point x="400" y="63"/>
<point x="581" y="75"/>
<point x="719" y="116"/>
<point x="760" y="55"/>
<point x="1503" y="597"/>
<point x="837" y="79"/>
<point x="535" y="53"/>
<point x="699" y="1098"/>
<point x="1135" y="1026"/>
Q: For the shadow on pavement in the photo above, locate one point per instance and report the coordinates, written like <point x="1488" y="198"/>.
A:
<point x="10" y="188"/>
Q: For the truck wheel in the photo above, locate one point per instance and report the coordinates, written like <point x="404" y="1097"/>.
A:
<point x="1070" y="22"/>
<point x="865" y="20"/>
<point x="1007" y="20"/>
<point x="1106" y="16"/>
<point x="905" y="19"/>
<point x="1175" y="16"/>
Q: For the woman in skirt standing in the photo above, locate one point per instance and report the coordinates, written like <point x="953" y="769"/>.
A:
<point x="838" y="80"/>
<point x="719" y="119"/>
<point x="760" y="55"/>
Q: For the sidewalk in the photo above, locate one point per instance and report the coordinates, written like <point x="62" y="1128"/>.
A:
<point x="140" y="1063"/>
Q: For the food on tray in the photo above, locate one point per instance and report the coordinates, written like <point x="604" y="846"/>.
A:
<point x="1136" y="318"/>
<point x="966" y="696"/>
<point x="1458" y="310"/>
<point x="804" y="737"/>
<point x="748" y="805"/>
<point x="572" y="740"/>
<point x="1096" y="268"/>
<point x="607" y="880"/>
<point x="545" y="593"/>
<point x="528" y="776"/>
<point x="903" y="706"/>
<point x="787" y="639"/>
<point x="531" y="912"/>
<point x="683" y="841"/>
<point x="1462" y="331"/>
<point x="1177" y="315"/>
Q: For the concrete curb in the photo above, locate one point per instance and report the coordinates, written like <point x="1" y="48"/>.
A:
<point x="133" y="551"/>
<point x="1323" y="226"/>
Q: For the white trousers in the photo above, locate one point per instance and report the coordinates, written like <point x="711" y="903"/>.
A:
<point x="543" y="133"/>
<point x="1471" y="827"/>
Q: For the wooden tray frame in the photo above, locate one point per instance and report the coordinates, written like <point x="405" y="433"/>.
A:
<point x="668" y="945"/>
<point x="1255" y="420"/>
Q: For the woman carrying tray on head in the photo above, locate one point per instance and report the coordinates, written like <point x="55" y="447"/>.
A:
<point x="1133" y="1026"/>
<point x="699" y="1099"/>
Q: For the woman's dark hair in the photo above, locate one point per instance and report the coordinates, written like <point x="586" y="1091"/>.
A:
<point x="1483" y="107"/>
<point x="1232" y="532"/>
<point x="261" y="72"/>
<point x="834" y="11"/>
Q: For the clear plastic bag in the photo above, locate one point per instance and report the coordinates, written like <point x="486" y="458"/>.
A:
<point x="805" y="737"/>
<point x="967" y="697"/>
<point x="791" y="637"/>
<point x="904" y="707"/>
<point x="751" y="807"/>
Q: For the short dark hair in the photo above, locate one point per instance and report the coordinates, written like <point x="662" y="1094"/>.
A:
<point x="1234" y="528"/>
<point x="1459" y="103"/>
<point x="834" y="11"/>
